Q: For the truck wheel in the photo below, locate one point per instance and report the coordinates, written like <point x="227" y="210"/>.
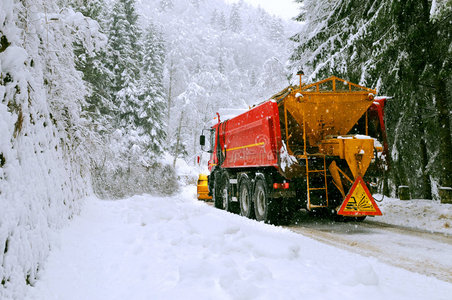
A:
<point x="264" y="207"/>
<point x="216" y="194"/>
<point x="226" y="193"/>
<point x="245" y="198"/>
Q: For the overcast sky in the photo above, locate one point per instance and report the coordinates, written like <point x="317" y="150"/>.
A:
<point x="285" y="9"/>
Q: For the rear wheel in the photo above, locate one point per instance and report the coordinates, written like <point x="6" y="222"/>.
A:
<point x="245" y="198"/>
<point x="265" y="208"/>
<point x="226" y="193"/>
<point x="216" y="192"/>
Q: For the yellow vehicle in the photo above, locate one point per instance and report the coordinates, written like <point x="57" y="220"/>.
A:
<point x="202" y="188"/>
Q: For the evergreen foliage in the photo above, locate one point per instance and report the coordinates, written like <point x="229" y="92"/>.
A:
<point x="153" y="104"/>
<point x="166" y="5"/>
<point x="125" y="56"/>
<point x="92" y="64"/>
<point x="235" y="20"/>
<point x="127" y="101"/>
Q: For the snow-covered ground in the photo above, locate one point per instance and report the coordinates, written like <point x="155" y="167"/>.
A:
<point x="148" y="247"/>
<point x="428" y="215"/>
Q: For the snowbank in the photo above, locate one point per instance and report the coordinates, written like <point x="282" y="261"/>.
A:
<point x="178" y="248"/>
<point x="428" y="215"/>
<point x="42" y="182"/>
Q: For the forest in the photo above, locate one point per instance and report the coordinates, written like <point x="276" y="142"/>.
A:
<point x="105" y="96"/>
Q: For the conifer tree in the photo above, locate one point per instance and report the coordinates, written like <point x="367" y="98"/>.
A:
<point x="221" y="64"/>
<point x="214" y="18"/>
<point x="93" y="66"/>
<point x="428" y="68"/>
<point x="126" y="55"/>
<point x="166" y="5"/>
<point x="276" y="32"/>
<point x="153" y="102"/>
<point x="235" y="21"/>
<point x="222" y="21"/>
<point x="195" y="3"/>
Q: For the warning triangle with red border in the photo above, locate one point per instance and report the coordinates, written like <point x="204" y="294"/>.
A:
<point x="359" y="201"/>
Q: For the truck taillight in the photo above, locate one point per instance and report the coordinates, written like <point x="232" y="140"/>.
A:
<point x="283" y="186"/>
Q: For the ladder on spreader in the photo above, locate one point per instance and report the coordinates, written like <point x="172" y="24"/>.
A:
<point x="308" y="184"/>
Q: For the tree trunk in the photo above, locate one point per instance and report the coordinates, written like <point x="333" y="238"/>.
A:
<point x="426" y="184"/>
<point x="426" y="188"/>
<point x="170" y="96"/>
<point x="444" y="134"/>
<point x="176" y="152"/>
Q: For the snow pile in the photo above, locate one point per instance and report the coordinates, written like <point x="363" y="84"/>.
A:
<point x="287" y="160"/>
<point x="429" y="215"/>
<point x="178" y="248"/>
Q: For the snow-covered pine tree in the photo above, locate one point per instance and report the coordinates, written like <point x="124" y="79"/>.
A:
<point x="235" y="20"/>
<point x="424" y="33"/>
<point x="166" y="5"/>
<point x="131" y="163"/>
<point x="222" y="21"/>
<point x="332" y="33"/>
<point x="153" y="101"/>
<point x="99" y="105"/>
<point x="221" y="64"/>
<point x="126" y="55"/>
<point x="276" y="32"/>
<point x="195" y="3"/>
<point x="214" y="18"/>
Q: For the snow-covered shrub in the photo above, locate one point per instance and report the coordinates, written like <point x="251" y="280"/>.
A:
<point x="135" y="178"/>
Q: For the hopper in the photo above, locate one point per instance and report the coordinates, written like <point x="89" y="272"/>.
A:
<point x="330" y="107"/>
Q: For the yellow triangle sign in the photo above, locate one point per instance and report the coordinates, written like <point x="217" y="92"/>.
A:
<point x="359" y="201"/>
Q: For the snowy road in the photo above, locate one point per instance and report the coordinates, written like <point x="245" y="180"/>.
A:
<point x="178" y="248"/>
<point x="414" y="250"/>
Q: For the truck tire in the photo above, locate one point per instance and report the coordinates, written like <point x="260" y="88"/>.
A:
<point x="245" y="198"/>
<point x="265" y="209"/>
<point x="216" y="192"/>
<point x="226" y="193"/>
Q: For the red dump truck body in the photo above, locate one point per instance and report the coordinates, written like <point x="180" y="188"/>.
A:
<point x="252" y="139"/>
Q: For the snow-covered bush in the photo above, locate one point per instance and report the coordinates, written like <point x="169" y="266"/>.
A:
<point x="156" y="179"/>
<point x="125" y="170"/>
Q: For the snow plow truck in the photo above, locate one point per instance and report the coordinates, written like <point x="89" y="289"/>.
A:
<point x="313" y="147"/>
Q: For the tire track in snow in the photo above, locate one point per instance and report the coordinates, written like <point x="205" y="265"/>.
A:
<point x="413" y="250"/>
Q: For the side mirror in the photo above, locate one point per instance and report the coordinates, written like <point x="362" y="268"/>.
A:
<point x="202" y="140"/>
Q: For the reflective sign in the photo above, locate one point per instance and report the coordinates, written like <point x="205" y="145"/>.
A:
<point x="359" y="201"/>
